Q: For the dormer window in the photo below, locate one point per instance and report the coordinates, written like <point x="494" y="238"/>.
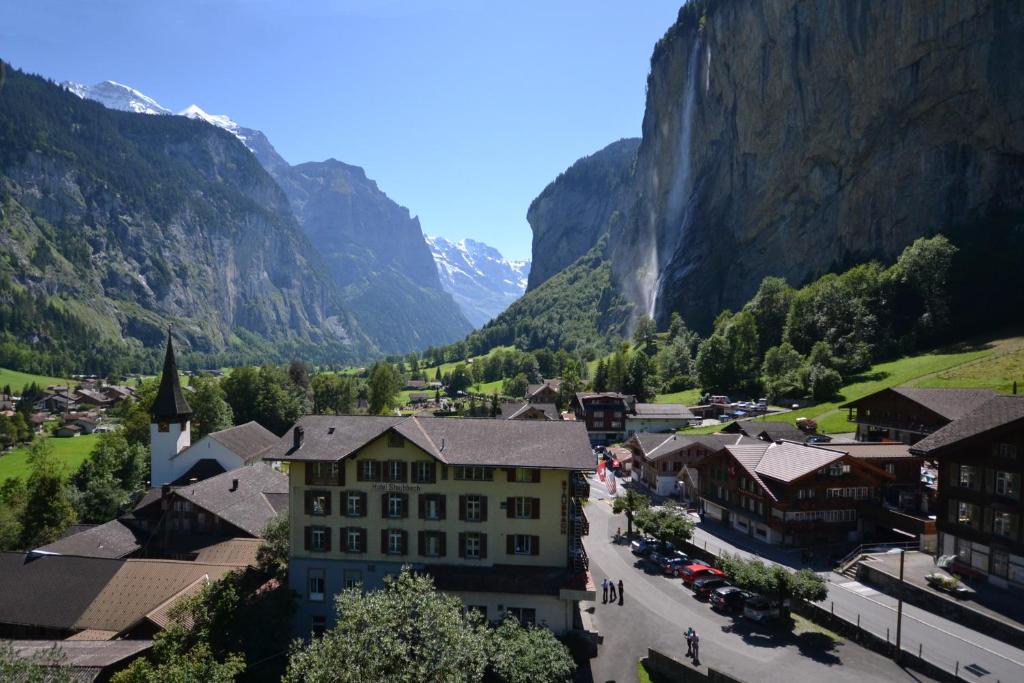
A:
<point x="395" y="440"/>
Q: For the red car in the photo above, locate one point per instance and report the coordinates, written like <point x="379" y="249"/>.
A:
<point x="691" y="572"/>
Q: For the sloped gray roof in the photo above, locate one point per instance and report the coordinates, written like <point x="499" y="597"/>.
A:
<point x="656" y="446"/>
<point x="110" y="540"/>
<point x="512" y="411"/>
<point x="663" y="411"/>
<point x="454" y="441"/>
<point x="89" y="654"/>
<point x="51" y="590"/>
<point x="782" y="462"/>
<point x="248" y="506"/>
<point x="947" y="403"/>
<point x="997" y="412"/>
<point x="247" y="441"/>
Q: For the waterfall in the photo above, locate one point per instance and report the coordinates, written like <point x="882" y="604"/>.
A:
<point x="680" y="192"/>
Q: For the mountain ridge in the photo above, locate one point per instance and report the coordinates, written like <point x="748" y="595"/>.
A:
<point x="482" y="281"/>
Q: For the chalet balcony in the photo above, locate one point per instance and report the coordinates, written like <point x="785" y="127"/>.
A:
<point x="889" y="422"/>
<point x="578" y="518"/>
<point x="578" y="558"/>
<point x="579" y="487"/>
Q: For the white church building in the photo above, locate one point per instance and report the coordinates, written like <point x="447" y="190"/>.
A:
<point x="174" y="459"/>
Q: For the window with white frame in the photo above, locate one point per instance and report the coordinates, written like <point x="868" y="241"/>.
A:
<point x="395" y="505"/>
<point x="423" y="472"/>
<point x="473" y="546"/>
<point x="473" y="507"/>
<point x="394" y="542"/>
<point x="1002" y="523"/>
<point x="432" y="545"/>
<point x="1006" y="450"/>
<point x="969" y="478"/>
<point x="354" y="504"/>
<point x="315" y="585"/>
<point x="353" y="578"/>
<point x="432" y="508"/>
<point x="318" y="538"/>
<point x="474" y="473"/>
<point x="354" y="540"/>
<point x="890" y="468"/>
<point x="522" y="544"/>
<point x="526" y="616"/>
<point x="524" y="508"/>
<point x="396" y="470"/>
<point x="1007" y="484"/>
<point x="523" y="475"/>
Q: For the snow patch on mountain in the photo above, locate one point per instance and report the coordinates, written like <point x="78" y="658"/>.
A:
<point x="482" y="281"/>
<point x="114" y="95"/>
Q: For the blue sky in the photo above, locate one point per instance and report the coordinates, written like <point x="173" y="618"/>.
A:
<point x="462" y="111"/>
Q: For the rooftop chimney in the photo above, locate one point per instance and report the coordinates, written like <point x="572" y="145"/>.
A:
<point x="234" y="485"/>
<point x="297" y="436"/>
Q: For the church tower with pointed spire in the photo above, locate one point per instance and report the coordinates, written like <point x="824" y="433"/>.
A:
<point x="170" y="427"/>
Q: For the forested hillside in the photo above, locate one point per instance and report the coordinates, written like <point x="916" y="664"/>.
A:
<point x="115" y="225"/>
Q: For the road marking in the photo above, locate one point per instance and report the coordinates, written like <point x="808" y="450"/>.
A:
<point x="859" y="588"/>
<point x="933" y="626"/>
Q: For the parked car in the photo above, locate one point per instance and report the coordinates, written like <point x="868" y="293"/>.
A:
<point x="760" y="609"/>
<point x="728" y="599"/>
<point x="693" y="560"/>
<point x="642" y="547"/>
<point x="659" y="551"/>
<point x="692" y="572"/>
<point x="706" y="585"/>
<point x="673" y="561"/>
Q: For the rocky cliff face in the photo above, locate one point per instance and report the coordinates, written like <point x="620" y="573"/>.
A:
<point x="575" y="209"/>
<point x="136" y="222"/>
<point x="796" y="136"/>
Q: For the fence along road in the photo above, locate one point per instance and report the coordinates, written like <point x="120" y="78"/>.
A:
<point x="946" y="644"/>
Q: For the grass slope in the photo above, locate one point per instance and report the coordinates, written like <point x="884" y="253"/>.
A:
<point x="68" y="451"/>
<point x="991" y="364"/>
<point x="17" y="380"/>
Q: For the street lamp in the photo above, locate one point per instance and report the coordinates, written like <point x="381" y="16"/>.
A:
<point x="899" y="606"/>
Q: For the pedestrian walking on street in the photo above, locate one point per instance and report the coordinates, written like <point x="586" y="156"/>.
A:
<point x="696" y="649"/>
<point x="620" y="591"/>
<point x="689" y="641"/>
<point x="604" y="591"/>
<point x="611" y="590"/>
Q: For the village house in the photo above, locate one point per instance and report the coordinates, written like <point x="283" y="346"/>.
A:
<point x="522" y="410"/>
<point x="604" y="415"/>
<point x="667" y="463"/>
<point x="908" y="414"/>
<point x="980" y="505"/>
<point x="92" y="398"/>
<point x="767" y="431"/>
<point x="545" y="392"/>
<point x="791" y="494"/>
<point x="659" y="417"/>
<point x="490" y="508"/>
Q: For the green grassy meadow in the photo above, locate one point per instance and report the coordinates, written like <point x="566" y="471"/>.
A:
<point x="70" y="452"/>
<point x="17" y="380"/>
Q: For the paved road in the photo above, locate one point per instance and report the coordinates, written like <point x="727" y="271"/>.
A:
<point x="941" y="641"/>
<point x="657" y="610"/>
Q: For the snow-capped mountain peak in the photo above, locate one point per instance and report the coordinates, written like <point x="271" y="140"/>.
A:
<point x="114" y="95"/>
<point x="478" y="277"/>
<point x="194" y="111"/>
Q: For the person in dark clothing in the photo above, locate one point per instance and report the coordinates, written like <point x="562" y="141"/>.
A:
<point x="689" y="642"/>
<point x="611" y="591"/>
<point x="604" y="592"/>
<point x="696" y="649"/>
<point x="620" y="591"/>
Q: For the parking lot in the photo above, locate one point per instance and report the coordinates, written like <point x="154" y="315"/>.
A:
<point x="658" y="609"/>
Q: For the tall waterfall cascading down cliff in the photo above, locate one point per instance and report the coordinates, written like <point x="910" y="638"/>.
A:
<point x="832" y="133"/>
<point x="680" y="195"/>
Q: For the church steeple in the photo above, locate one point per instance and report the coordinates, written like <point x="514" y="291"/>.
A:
<point x="170" y="404"/>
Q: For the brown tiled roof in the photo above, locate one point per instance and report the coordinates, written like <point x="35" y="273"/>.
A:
<point x="454" y="441"/>
<point x="947" y="403"/>
<point x="50" y="590"/>
<point x="90" y="654"/>
<point x="110" y="540"/>
<point x="780" y="462"/>
<point x="778" y="431"/>
<point x="141" y="586"/>
<point x="868" y="450"/>
<point x="234" y="551"/>
<point x="997" y="412"/>
<point x="93" y="634"/>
